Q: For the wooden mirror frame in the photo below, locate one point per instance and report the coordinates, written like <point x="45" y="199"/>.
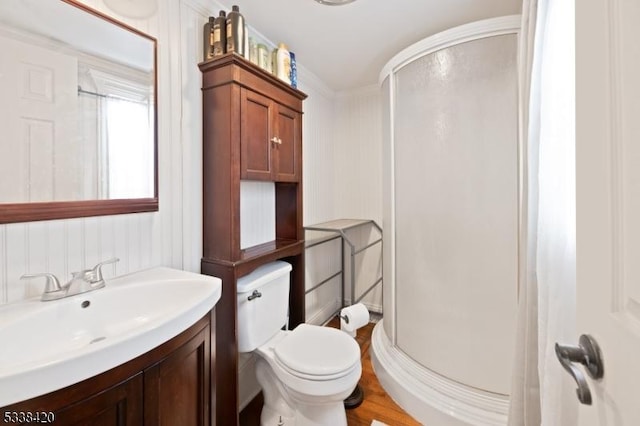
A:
<point x="28" y="212"/>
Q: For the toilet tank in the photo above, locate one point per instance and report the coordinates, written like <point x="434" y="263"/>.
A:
<point x="263" y="304"/>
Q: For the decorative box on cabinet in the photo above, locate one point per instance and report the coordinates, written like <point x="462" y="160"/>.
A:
<point x="252" y="130"/>
<point x="168" y="385"/>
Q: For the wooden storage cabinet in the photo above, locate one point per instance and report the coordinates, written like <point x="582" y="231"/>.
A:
<point x="252" y="130"/>
<point x="176" y="388"/>
<point x="169" y="385"/>
<point x="270" y="142"/>
<point x="120" y="405"/>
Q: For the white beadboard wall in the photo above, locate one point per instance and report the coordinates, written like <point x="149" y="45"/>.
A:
<point x="358" y="182"/>
<point x="342" y="176"/>
<point x="358" y="155"/>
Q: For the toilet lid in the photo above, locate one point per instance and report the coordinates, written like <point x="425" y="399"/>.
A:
<point x="317" y="351"/>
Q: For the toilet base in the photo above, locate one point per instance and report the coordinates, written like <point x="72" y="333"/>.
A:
<point x="355" y="399"/>
<point x="282" y="408"/>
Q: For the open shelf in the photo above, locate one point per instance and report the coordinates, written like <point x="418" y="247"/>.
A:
<point x="255" y="256"/>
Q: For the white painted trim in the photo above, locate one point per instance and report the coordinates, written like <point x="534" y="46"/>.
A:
<point x="461" y="34"/>
<point x="307" y="78"/>
<point x="429" y="397"/>
<point x="372" y="307"/>
<point x="370" y="89"/>
<point x="392" y="192"/>
<point x="204" y="7"/>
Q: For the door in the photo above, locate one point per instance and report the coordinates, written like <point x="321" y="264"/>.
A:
<point x="256" y="131"/>
<point x="608" y="202"/>
<point x="287" y="147"/>
<point x="38" y="122"/>
<point x="176" y="390"/>
<point x="120" y="405"/>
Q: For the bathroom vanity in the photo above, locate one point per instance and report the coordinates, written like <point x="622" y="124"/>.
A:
<point x="167" y="385"/>
<point x="136" y="352"/>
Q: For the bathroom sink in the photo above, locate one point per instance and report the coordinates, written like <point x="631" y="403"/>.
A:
<point x="46" y="346"/>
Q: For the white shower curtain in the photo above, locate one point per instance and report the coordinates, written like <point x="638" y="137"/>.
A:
<point x="525" y="393"/>
<point x="542" y="393"/>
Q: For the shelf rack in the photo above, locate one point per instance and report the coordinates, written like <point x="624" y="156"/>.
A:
<point x="338" y="229"/>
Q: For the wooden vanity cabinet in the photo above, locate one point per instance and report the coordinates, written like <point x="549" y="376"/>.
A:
<point x="252" y="130"/>
<point x="169" y="385"/>
<point x="120" y="405"/>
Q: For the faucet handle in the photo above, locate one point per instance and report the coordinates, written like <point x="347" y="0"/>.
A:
<point x="52" y="284"/>
<point x="97" y="270"/>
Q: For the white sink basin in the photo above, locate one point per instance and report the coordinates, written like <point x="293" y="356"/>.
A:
<point x="46" y="346"/>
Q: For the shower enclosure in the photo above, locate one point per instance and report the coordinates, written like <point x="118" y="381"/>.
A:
<point x="451" y="189"/>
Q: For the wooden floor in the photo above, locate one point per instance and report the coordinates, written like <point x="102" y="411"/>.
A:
<point x="377" y="405"/>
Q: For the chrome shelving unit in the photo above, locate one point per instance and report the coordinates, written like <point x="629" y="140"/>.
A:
<point x="338" y="229"/>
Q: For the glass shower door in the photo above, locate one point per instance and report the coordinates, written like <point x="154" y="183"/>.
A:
<point x="456" y="210"/>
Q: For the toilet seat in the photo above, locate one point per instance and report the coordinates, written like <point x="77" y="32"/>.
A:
<point x="342" y="373"/>
<point x="317" y="353"/>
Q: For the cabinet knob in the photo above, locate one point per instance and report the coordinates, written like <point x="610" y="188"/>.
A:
<point x="276" y="140"/>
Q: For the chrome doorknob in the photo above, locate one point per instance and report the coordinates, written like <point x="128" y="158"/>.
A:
<point x="586" y="353"/>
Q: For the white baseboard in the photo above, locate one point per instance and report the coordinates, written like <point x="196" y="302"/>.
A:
<point x="372" y="307"/>
<point x="323" y="315"/>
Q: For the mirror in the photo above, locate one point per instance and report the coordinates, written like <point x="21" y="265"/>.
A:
<point x="77" y="113"/>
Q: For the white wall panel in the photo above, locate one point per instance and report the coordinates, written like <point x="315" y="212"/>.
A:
<point x="257" y="213"/>
<point x="320" y="138"/>
<point x="358" y="155"/>
<point x="187" y="79"/>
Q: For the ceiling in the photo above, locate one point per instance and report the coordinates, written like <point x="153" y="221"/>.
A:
<point x="347" y="46"/>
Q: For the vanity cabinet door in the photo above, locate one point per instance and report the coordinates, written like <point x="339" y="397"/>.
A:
<point x="120" y="405"/>
<point x="256" y="134"/>
<point x="176" y="389"/>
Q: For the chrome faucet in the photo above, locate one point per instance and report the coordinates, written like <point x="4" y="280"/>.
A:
<point x="81" y="282"/>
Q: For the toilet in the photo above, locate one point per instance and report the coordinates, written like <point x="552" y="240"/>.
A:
<point x="305" y="373"/>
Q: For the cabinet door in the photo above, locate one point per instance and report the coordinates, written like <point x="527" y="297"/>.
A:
<point x="176" y="389"/>
<point x="256" y="131"/>
<point x="288" y="150"/>
<point x="120" y="405"/>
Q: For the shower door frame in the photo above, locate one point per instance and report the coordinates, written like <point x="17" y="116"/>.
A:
<point x="474" y="31"/>
<point x="428" y="396"/>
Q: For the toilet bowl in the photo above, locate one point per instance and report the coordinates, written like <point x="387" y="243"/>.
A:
<point x="306" y="373"/>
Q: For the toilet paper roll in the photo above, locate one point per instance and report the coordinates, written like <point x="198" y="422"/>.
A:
<point x="353" y="317"/>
